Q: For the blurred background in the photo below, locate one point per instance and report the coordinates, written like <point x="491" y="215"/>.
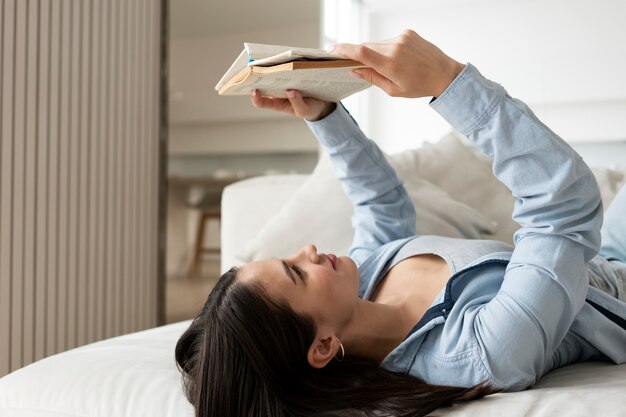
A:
<point x="215" y="140"/>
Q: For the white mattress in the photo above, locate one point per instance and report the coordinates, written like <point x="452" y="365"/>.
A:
<point x="135" y="375"/>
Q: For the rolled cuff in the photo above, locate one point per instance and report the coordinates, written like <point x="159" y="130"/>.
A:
<point x="469" y="100"/>
<point x="335" y="128"/>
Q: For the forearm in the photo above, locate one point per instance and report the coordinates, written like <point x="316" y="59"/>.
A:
<point x="357" y="162"/>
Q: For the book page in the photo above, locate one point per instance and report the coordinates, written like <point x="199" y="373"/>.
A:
<point x="325" y="84"/>
<point x="261" y="54"/>
<point x="239" y="64"/>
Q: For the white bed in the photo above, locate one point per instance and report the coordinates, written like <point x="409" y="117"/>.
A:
<point x="135" y="375"/>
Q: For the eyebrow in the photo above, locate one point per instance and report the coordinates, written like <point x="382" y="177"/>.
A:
<point x="288" y="271"/>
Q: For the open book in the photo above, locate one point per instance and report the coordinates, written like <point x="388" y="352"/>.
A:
<point x="273" y="69"/>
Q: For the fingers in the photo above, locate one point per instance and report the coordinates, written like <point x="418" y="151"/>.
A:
<point x="378" y="56"/>
<point x="300" y="108"/>
<point x="404" y="66"/>
<point x="380" y="81"/>
<point x="270" y="103"/>
<point x="294" y="104"/>
<point x="364" y="53"/>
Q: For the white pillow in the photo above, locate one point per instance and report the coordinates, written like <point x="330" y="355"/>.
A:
<point x="610" y="181"/>
<point x="320" y="213"/>
<point x="465" y="174"/>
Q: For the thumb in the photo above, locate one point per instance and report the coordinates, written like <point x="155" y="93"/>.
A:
<point x="373" y="77"/>
<point x="300" y="108"/>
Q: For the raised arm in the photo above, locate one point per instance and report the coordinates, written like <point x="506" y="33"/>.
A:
<point x="559" y="209"/>
<point x="558" y="205"/>
<point x="383" y="211"/>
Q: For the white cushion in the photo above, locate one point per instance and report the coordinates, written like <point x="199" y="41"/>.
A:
<point x="610" y="181"/>
<point x="466" y="175"/>
<point x="450" y="183"/>
<point x="320" y="212"/>
<point x="247" y="206"/>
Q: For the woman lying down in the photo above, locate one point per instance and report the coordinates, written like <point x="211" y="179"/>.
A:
<point x="405" y="324"/>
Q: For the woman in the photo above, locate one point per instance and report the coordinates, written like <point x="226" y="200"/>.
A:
<point x="405" y="324"/>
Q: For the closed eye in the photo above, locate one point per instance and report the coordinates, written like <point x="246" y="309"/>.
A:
<point x="288" y="273"/>
<point x="299" y="272"/>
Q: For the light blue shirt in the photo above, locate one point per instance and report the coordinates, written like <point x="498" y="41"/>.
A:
<point x="512" y="314"/>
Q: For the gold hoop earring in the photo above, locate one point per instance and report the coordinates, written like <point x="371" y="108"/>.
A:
<point x="343" y="353"/>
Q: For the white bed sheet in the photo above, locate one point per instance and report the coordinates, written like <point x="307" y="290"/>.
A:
<point x="126" y="376"/>
<point x="135" y="375"/>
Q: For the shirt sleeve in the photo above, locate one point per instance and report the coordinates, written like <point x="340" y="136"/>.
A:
<point x="559" y="209"/>
<point x="383" y="211"/>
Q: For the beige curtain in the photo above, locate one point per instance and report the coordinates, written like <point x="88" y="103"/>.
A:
<point x="80" y="174"/>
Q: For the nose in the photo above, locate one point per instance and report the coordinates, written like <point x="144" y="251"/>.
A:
<point x="309" y="252"/>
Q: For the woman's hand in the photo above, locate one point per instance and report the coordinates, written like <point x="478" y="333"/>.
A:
<point x="310" y="109"/>
<point x="405" y="66"/>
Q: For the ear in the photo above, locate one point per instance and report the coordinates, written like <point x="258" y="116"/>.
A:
<point x="322" y="351"/>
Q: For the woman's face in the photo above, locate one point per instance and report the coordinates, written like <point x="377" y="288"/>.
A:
<point x="319" y="285"/>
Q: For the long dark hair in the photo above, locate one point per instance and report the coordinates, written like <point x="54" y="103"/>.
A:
<point x="244" y="355"/>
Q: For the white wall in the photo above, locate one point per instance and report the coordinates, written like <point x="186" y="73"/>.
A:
<point x="566" y="59"/>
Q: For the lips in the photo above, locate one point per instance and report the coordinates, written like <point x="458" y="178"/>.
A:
<point x="333" y="259"/>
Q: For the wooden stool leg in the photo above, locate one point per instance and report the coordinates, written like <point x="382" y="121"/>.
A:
<point x="197" y="255"/>
<point x="218" y="217"/>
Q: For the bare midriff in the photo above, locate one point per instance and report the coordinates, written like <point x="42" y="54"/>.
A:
<point x="413" y="284"/>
